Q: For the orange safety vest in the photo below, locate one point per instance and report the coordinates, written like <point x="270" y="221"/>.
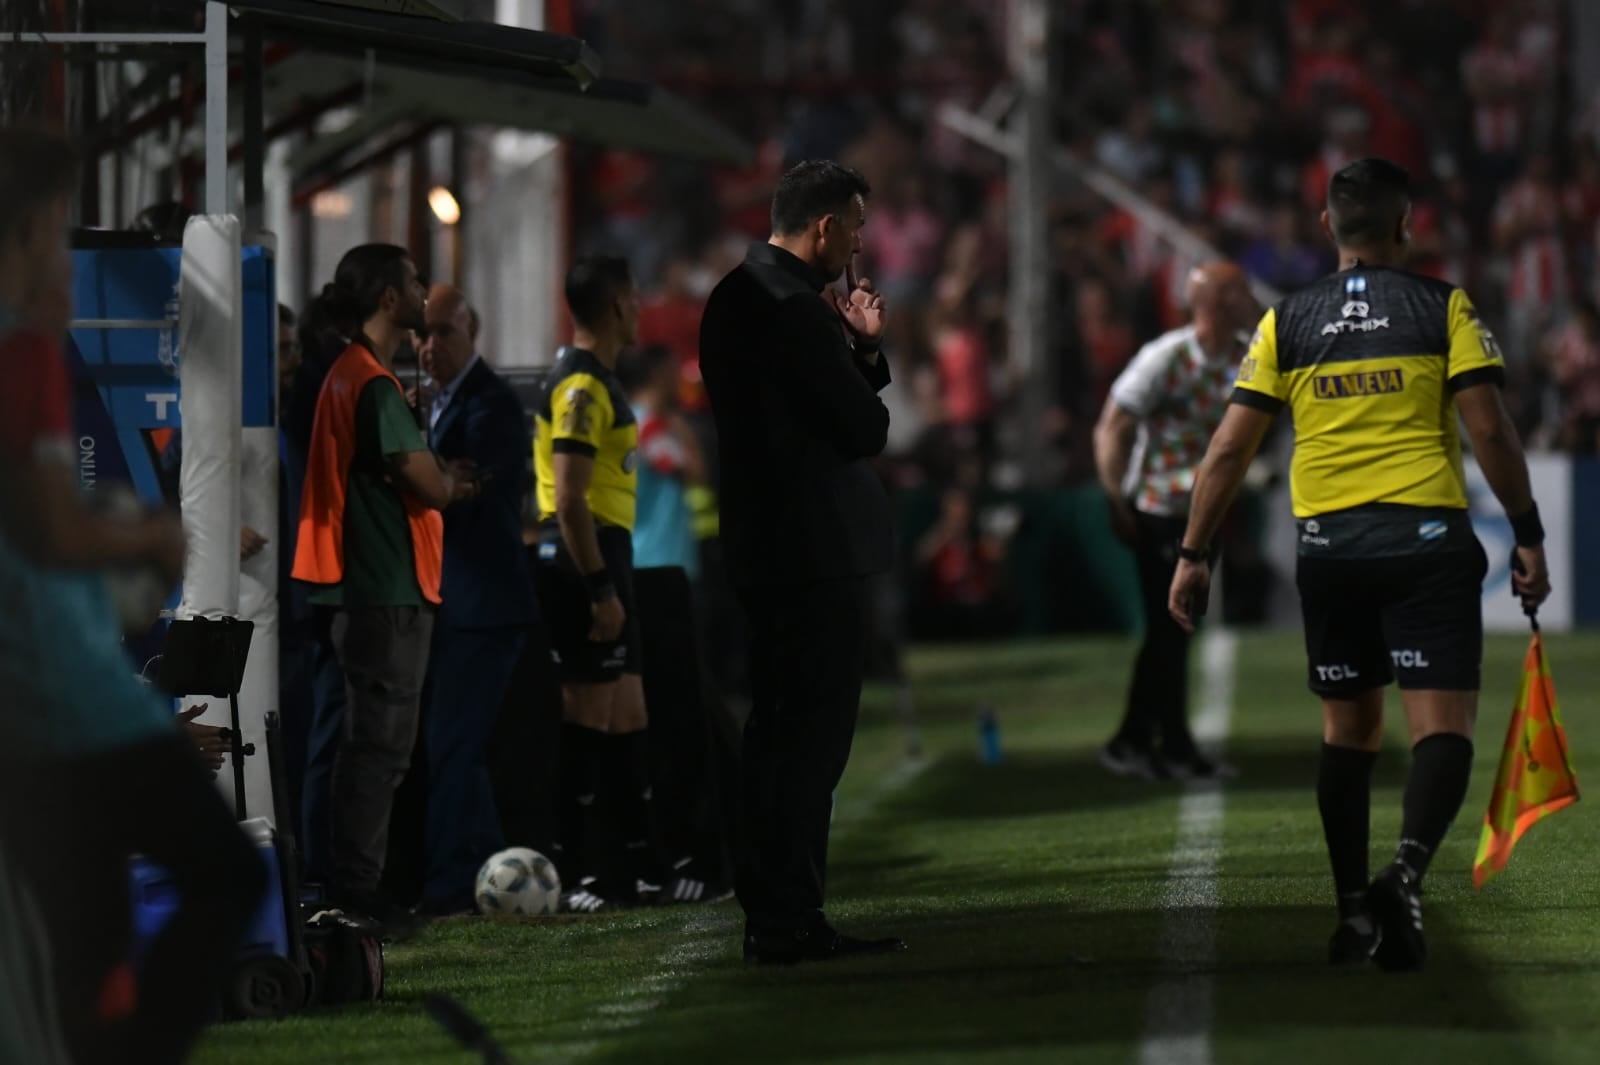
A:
<point x="319" y="554"/>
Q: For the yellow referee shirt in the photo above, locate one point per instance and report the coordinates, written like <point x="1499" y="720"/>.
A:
<point x="1368" y="361"/>
<point x="583" y="412"/>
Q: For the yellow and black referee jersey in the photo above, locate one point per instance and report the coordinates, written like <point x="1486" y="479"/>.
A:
<point x="1368" y="361"/>
<point x="582" y="411"/>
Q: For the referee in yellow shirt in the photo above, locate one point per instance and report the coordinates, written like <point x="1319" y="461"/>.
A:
<point x="1375" y="364"/>
<point x="585" y="457"/>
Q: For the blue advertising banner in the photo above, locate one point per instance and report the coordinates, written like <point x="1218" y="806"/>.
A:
<point x="123" y="355"/>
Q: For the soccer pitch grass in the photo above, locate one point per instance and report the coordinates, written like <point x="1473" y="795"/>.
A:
<point x="1033" y="894"/>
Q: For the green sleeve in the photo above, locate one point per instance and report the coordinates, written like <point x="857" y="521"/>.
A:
<point x="393" y="424"/>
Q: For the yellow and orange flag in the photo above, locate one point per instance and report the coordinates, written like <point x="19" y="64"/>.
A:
<point x="1536" y="777"/>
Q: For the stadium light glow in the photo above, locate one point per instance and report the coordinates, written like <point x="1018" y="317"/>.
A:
<point x="332" y="203"/>
<point x="445" y="207"/>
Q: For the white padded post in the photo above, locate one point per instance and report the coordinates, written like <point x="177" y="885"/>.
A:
<point x="211" y="479"/>
<point x="211" y="404"/>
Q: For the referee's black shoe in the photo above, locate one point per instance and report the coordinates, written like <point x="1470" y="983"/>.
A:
<point x="1395" y="902"/>
<point x="818" y="943"/>
<point x="1353" y="942"/>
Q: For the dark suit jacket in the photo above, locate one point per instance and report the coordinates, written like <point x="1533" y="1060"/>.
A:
<point x="486" y="580"/>
<point x="798" y="417"/>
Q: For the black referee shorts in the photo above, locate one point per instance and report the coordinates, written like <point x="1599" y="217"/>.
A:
<point x="564" y="601"/>
<point x="1369" y="621"/>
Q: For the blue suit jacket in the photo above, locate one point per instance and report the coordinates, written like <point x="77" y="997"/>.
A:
<point x="486" y="579"/>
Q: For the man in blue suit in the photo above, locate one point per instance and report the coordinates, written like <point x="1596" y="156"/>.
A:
<point x="488" y="602"/>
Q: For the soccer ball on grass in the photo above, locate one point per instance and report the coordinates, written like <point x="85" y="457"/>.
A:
<point x="518" y="882"/>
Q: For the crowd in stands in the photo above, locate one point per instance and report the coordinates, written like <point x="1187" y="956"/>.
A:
<point x="1228" y="114"/>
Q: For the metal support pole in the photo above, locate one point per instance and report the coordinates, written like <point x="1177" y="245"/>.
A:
<point x="150" y="39"/>
<point x="458" y="186"/>
<point x="419" y="228"/>
<point x="89" y="211"/>
<point x="1030" y="186"/>
<point x="216" y="38"/>
<point x="255" y="157"/>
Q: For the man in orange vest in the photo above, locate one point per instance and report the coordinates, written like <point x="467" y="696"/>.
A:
<point x="370" y="542"/>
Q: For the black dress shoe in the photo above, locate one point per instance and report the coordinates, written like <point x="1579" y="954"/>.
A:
<point x="821" y="943"/>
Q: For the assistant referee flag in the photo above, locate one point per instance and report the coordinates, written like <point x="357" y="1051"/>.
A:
<point x="1536" y="777"/>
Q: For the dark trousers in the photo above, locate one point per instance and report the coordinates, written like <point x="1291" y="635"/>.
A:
<point x="322" y="747"/>
<point x="72" y="826"/>
<point x="807" y="655"/>
<point x="470" y="671"/>
<point x="297" y="710"/>
<point x="1158" y="698"/>
<point x="383" y="651"/>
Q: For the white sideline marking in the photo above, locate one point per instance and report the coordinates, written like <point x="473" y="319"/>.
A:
<point x="705" y="936"/>
<point x="1177" y="1026"/>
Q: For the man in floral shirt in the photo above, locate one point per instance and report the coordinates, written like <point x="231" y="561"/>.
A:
<point x="1151" y="437"/>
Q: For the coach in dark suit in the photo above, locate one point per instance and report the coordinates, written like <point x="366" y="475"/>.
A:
<point x="488" y="604"/>
<point x="793" y="371"/>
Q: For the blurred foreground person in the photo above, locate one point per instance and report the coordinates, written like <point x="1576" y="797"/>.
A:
<point x="90" y="759"/>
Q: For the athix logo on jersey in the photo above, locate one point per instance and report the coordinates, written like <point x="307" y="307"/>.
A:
<point x="1355" y="385"/>
<point x="1356" y="313"/>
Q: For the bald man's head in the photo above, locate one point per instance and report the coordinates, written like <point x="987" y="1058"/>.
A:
<point x="449" y="337"/>
<point x="1220" y="297"/>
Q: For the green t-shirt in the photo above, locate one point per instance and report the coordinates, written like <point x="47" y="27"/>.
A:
<point x="379" y="564"/>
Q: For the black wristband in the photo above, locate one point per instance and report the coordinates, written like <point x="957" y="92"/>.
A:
<point x="1190" y="554"/>
<point x="1527" y="528"/>
<point x="600" y="585"/>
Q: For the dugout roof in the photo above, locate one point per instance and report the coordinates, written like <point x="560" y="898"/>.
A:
<point x="415" y="65"/>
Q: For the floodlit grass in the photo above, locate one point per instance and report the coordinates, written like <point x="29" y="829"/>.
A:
<point x="1031" y="893"/>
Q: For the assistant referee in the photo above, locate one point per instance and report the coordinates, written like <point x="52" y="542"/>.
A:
<point x="1374" y="364"/>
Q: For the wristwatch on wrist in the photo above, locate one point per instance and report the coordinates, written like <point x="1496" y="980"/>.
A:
<point x="1192" y="554"/>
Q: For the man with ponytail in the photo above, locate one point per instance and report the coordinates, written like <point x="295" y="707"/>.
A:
<point x="370" y="545"/>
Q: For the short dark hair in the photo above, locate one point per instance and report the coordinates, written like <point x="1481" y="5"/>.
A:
<point x="37" y="167"/>
<point x="1367" y="200"/>
<point x="286" y="315"/>
<point x="812" y="189"/>
<point x="593" y="283"/>
<point x="365" y="273"/>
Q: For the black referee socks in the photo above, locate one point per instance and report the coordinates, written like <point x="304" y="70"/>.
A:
<point x="632" y="800"/>
<point x="1344" y="797"/>
<point x="581" y="755"/>
<point x="1441" y="766"/>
